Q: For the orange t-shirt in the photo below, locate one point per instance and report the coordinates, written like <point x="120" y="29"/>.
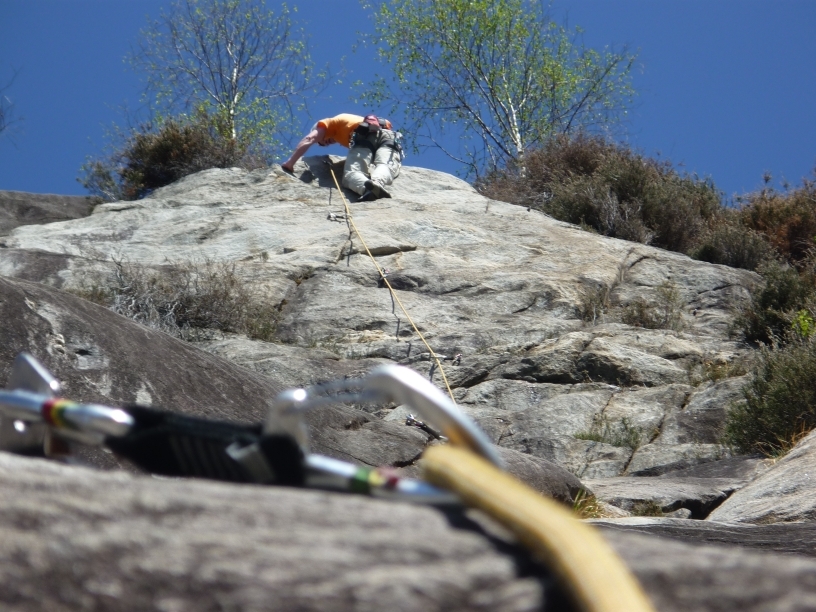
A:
<point x="341" y="127"/>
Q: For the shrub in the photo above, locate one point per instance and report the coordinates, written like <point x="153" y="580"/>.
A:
<point x="715" y="370"/>
<point x="663" y="313"/>
<point x="587" y="506"/>
<point x="157" y="154"/>
<point x="188" y="300"/>
<point x="787" y="219"/>
<point x="594" y="303"/>
<point x="623" y="433"/>
<point x="780" y="401"/>
<point x="589" y="181"/>
<point x="647" y="508"/>
<point x="785" y="292"/>
<point x="728" y="242"/>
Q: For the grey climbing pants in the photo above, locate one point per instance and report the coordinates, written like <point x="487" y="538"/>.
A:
<point x="382" y="166"/>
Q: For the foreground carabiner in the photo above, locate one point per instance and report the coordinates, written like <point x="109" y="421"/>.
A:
<point x="171" y="444"/>
<point x="389" y="383"/>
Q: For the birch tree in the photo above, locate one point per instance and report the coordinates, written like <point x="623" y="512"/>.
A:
<point x="498" y="74"/>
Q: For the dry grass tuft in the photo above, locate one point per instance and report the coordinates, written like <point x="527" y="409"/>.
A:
<point x="189" y="300"/>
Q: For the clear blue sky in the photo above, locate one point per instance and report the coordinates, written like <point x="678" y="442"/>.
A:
<point x="727" y="88"/>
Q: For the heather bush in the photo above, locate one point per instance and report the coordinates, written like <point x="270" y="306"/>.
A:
<point x="159" y="153"/>
<point x="729" y="242"/>
<point x="786" y="218"/>
<point x="785" y="291"/>
<point x="620" y="433"/>
<point x="779" y="405"/>
<point x="609" y="188"/>
<point x="663" y="312"/>
<point x="189" y="300"/>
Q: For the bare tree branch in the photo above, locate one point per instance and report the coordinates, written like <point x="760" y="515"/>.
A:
<point x="8" y="115"/>
<point x="234" y="56"/>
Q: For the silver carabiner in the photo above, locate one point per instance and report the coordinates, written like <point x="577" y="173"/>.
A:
<point x="389" y="383"/>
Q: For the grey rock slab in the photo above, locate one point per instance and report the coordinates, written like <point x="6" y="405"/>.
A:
<point x="544" y="476"/>
<point x="541" y="475"/>
<point x="341" y="307"/>
<point x="21" y="208"/>
<point x="644" y="410"/>
<point x="76" y="539"/>
<point x="375" y="443"/>
<point x="615" y="354"/>
<point x="286" y="365"/>
<point x="36" y="266"/>
<point x="539" y="419"/>
<point x="202" y="223"/>
<point x="701" y="419"/>
<point x="552" y="361"/>
<point x="500" y="285"/>
<point x="786" y="538"/>
<point x="465" y="260"/>
<point x="102" y="357"/>
<point x="545" y="419"/>
<point x="473" y="369"/>
<point x="704" y="289"/>
<point x="699" y="495"/>
<point x="785" y="492"/>
<point x="81" y="343"/>
<point x="509" y="408"/>
<point x="655" y="459"/>
<point x="617" y="363"/>
<point x="740" y="469"/>
<point x="588" y="459"/>
<point x="679" y="576"/>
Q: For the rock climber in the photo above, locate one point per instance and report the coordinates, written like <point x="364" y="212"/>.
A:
<point x="374" y="158"/>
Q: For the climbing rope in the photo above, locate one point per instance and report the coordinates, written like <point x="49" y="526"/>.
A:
<point x="587" y="566"/>
<point x="577" y="554"/>
<point x="394" y="296"/>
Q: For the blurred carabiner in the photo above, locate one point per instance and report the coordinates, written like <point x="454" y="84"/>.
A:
<point x="389" y="383"/>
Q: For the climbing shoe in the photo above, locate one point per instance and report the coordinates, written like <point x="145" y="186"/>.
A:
<point x="367" y="196"/>
<point x="377" y="189"/>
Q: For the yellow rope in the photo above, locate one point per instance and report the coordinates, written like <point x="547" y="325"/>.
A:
<point x="590" y="570"/>
<point x="390" y="288"/>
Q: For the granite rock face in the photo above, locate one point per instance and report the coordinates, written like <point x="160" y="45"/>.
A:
<point x="680" y="576"/>
<point x="697" y="495"/>
<point x="102" y="357"/>
<point x="76" y="539"/>
<point x="546" y="368"/>
<point x="784" y="538"/>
